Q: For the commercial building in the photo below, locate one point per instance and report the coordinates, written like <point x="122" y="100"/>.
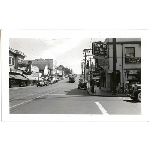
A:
<point x="45" y="65"/>
<point x="16" y="76"/>
<point x="45" y="68"/>
<point x="128" y="63"/>
<point x="60" y="71"/>
<point x="87" y="64"/>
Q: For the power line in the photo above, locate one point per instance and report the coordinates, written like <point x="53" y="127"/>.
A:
<point x="47" y="47"/>
<point x="21" y="47"/>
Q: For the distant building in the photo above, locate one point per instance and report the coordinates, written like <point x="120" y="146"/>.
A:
<point x="88" y="64"/>
<point x="45" y="65"/>
<point x="60" y="71"/>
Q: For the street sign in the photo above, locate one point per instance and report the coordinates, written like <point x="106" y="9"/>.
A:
<point x="133" y="60"/>
<point x="98" y="57"/>
<point x="132" y="71"/>
<point x="99" y="49"/>
<point x="96" y="73"/>
<point x="103" y="62"/>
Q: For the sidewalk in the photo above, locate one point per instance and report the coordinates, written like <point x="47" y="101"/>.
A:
<point x="99" y="92"/>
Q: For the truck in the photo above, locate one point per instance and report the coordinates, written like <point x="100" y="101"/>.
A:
<point x="71" y="79"/>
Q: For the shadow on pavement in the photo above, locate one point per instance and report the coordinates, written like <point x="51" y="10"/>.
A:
<point x="69" y="82"/>
<point x="132" y="101"/>
<point x="77" y="91"/>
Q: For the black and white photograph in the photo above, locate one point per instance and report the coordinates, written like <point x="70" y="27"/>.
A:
<point x="75" y="76"/>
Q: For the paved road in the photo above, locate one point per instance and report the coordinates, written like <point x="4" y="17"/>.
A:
<point x="65" y="98"/>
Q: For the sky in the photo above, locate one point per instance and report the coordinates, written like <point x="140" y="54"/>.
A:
<point x="64" y="51"/>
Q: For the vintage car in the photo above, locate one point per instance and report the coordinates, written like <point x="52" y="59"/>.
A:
<point x="40" y="83"/>
<point x="136" y="95"/>
<point x="82" y="84"/>
<point x="46" y="83"/>
<point x="72" y="79"/>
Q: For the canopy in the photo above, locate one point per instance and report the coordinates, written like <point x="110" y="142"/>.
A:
<point x="18" y="77"/>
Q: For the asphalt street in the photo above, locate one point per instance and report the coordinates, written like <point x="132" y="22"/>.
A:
<point x="65" y="98"/>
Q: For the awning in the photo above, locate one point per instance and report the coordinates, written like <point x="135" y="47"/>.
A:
<point x="18" y="77"/>
<point x="32" y="78"/>
<point x="11" y="77"/>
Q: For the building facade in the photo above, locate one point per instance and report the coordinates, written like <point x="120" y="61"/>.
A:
<point x="128" y="63"/>
<point x="88" y="64"/>
<point x="15" y="57"/>
<point x="45" y="65"/>
<point x="60" y="71"/>
<point x="16" y="76"/>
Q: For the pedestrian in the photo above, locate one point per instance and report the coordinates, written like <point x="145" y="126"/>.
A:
<point x="135" y="87"/>
<point x="126" y="89"/>
<point x="118" y="88"/>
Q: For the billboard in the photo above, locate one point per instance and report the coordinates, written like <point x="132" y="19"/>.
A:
<point x="99" y="49"/>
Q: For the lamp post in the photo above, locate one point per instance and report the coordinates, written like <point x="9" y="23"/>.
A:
<point x="84" y="65"/>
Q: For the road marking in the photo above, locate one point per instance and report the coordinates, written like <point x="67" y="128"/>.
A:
<point x="38" y="97"/>
<point x="101" y="108"/>
<point x="20" y="103"/>
<point x="35" y="98"/>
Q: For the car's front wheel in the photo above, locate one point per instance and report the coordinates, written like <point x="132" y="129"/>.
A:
<point x="139" y="96"/>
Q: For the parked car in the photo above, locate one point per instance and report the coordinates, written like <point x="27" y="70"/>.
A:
<point x="22" y="84"/>
<point x="72" y="79"/>
<point x="46" y="83"/>
<point x="136" y="95"/>
<point x="82" y="84"/>
<point x="66" y="76"/>
<point x="40" y="83"/>
<point x="62" y="78"/>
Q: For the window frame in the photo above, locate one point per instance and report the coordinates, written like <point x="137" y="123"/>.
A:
<point x="129" y="56"/>
<point x="12" y="61"/>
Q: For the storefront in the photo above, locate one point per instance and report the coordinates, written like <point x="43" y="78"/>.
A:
<point x="133" y="76"/>
<point x="17" y="79"/>
<point x="109" y="79"/>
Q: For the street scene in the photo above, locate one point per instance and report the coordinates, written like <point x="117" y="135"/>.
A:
<point x="75" y="76"/>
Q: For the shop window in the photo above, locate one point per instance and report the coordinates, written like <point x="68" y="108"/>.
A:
<point x="129" y="52"/>
<point x="11" y="60"/>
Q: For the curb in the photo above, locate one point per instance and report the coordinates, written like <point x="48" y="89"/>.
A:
<point x="107" y="95"/>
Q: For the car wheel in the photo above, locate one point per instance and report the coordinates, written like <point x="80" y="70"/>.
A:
<point x="139" y="96"/>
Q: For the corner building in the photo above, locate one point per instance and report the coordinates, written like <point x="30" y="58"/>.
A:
<point x="128" y="63"/>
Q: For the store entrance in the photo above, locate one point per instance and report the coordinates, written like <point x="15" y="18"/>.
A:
<point x="118" y="79"/>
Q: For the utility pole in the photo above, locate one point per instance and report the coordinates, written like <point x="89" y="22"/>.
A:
<point x="122" y="69"/>
<point x="114" y="66"/>
<point x="84" y="66"/>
